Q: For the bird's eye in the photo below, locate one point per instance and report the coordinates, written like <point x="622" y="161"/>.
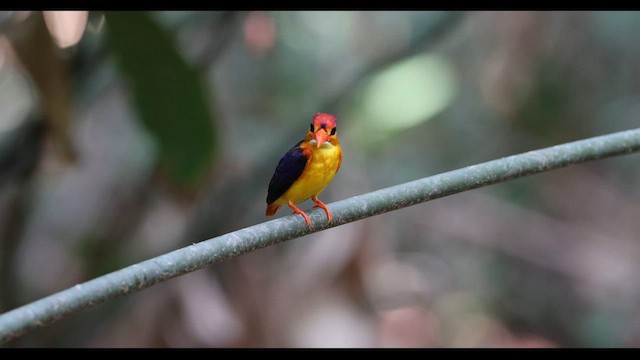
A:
<point x="333" y="131"/>
<point x="311" y="128"/>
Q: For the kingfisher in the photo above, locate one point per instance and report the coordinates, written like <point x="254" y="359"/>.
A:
<point x="307" y="168"/>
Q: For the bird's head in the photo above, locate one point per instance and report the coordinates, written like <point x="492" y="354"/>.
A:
<point x="323" y="129"/>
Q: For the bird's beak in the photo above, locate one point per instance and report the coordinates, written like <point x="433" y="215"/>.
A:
<point x="321" y="136"/>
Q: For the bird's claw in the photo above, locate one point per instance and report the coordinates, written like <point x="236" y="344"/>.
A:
<point x="321" y="205"/>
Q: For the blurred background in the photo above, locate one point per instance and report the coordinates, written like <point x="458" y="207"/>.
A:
<point x="130" y="134"/>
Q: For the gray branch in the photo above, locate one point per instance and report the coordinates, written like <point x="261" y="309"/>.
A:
<point x="197" y="256"/>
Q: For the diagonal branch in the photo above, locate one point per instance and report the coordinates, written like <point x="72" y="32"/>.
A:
<point x="197" y="256"/>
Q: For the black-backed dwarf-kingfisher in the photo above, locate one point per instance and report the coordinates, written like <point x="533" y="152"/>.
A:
<point x="307" y="168"/>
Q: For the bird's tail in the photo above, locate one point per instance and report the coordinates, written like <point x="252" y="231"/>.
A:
<point x="271" y="209"/>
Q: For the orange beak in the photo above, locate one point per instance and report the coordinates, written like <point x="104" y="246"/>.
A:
<point x="321" y="137"/>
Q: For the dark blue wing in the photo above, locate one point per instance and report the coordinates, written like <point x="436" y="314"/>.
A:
<point x="287" y="172"/>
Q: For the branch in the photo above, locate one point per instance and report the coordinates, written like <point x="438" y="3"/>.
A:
<point x="197" y="256"/>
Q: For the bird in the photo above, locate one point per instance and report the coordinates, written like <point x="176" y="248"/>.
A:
<point x="307" y="168"/>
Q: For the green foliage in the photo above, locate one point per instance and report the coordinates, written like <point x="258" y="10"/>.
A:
<point x="168" y="92"/>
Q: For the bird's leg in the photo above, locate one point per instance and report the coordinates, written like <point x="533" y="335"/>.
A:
<point x="298" y="211"/>
<point x="320" y="204"/>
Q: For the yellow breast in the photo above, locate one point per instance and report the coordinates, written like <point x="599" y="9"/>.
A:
<point x="323" y="166"/>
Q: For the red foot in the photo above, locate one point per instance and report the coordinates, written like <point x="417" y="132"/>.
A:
<point x="298" y="211"/>
<point x="323" y="206"/>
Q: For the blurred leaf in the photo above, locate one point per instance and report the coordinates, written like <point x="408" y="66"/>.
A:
<point x="409" y="92"/>
<point x="20" y="149"/>
<point x="406" y="94"/>
<point x="66" y="27"/>
<point x="547" y="102"/>
<point x="48" y="70"/>
<point x="169" y="94"/>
